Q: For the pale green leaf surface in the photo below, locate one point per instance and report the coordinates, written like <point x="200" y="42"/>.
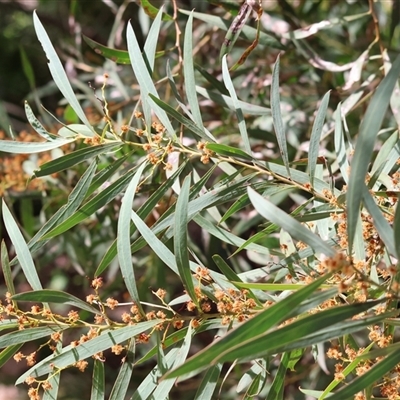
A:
<point x="27" y="335"/>
<point x="9" y="352"/>
<point x="396" y="231"/>
<point x="144" y="79"/>
<point x="75" y="199"/>
<point x="227" y="102"/>
<point x="369" y="128"/>
<point x="69" y="160"/>
<point x="98" y="381"/>
<point x="159" y="248"/>
<point x="124" y="238"/>
<point x="316" y="137"/>
<point x="94" y="204"/>
<point x="53" y="379"/>
<point x="277" y="116"/>
<point x="181" y="242"/>
<point x="247" y="32"/>
<point x="374" y="374"/>
<point x="57" y="71"/>
<point x="247" y="331"/>
<point x="340" y="147"/>
<point x="239" y="112"/>
<point x="202" y="133"/>
<point x="55" y="296"/>
<point x="70" y="355"/>
<point x="124" y="377"/>
<point x="209" y="382"/>
<point x="188" y="70"/>
<point x="381" y="224"/>
<point x="5" y="265"/>
<point x="11" y="146"/>
<point x="274" y="214"/>
<point x="36" y="125"/>
<point x="142" y="212"/>
<point x="21" y="249"/>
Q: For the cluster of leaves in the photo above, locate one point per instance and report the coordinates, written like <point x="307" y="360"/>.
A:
<point x="273" y="247"/>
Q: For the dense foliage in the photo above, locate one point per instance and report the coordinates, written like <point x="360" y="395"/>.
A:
<point x="212" y="213"/>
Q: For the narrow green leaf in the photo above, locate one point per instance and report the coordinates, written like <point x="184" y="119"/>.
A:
<point x="340" y="147"/>
<point x="94" y="204"/>
<point x="53" y="380"/>
<point x="382" y="157"/>
<point x="209" y="382"/>
<point x="365" y="144"/>
<point x="247" y="32"/>
<point x="214" y="82"/>
<point x="188" y="70"/>
<point x="55" y="296"/>
<point x="9" y="352"/>
<point x="381" y="224"/>
<point x="124" y="377"/>
<point x="274" y="342"/>
<point x="277" y="116"/>
<point x="118" y="56"/>
<point x="11" y="146"/>
<point x="182" y="119"/>
<point x="298" y="231"/>
<point x="124" y="238"/>
<point x="235" y="29"/>
<point x="159" y="248"/>
<point x="239" y="112"/>
<point x="374" y="374"/>
<point x="142" y="212"/>
<point x="144" y="79"/>
<point x="70" y="355"/>
<point x="21" y="249"/>
<point x="396" y="229"/>
<point x="274" y="287"/>
<point x="150" y="45"/>
<point x="276" y="390"/>
<point x="227" y="102"/>
<point x="57" y="72"/>
<point x="98" y="381"/>
<point x="180" y="240"/>
<point x="316" y="137"/>
<point x="27" y="335"/>
<point x="257" y="325"/>
<point x="231" y="275"/>
<point x="37" y="126"/>
<point x="69" y="160"/>
<point x="152" y="11"/>
<point x="348" y="370"/>
<point x="181" y="353"/>
<point x="75" y="199"/>
<point x="228" y="151"/>
<point x="5" y="265"/>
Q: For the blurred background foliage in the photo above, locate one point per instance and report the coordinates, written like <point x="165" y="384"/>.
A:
<point x="71" y="262"/>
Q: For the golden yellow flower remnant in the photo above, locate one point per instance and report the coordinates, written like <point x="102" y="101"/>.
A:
<point x="138" y="114"/>
<point x="111" y="303"/>
<point x="117" y="349"/>
<point x="178" y="324"/>
<point x="91" y="298"/>
<point x="31" y="359"/>
<point x="33" y="394"/>
<point x="97" y="283"/>
<point x="81" y="365"/>
<point x="73" y="315"/>
<point x="334" y="352"/>
<point x="18" y="357"/>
